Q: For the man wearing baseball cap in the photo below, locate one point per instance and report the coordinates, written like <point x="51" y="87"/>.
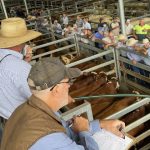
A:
<point x="14" y="70"/>
<point x="34" y="125"/>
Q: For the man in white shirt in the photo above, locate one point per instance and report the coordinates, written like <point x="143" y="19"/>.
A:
<point x="65" y="20"/>
<point x="115" y="27"/>
<point x="86" y="24"/>
<point x="14" y="70"/>
<point x="57" y="27"/>
<point x="129" y="28"/>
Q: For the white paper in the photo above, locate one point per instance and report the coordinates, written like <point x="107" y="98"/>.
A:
<point x="108" y="141"/>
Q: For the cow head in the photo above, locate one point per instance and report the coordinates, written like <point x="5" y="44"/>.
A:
<point x="136" y="92"/>
<point x="114" y="80"/>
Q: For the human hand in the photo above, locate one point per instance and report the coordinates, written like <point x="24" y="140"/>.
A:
<point x="80" y="124"/>
<point x="70" y="100"/>
<point x="114" y="126"/>
<point x="135" y="37"/>
<point x="144" y="30"/>
<point x="28" y="55"/>
<point x="134" y="62"/>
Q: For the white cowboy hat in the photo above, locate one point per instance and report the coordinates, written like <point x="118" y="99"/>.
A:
<point x="122" y="37"/>
<point x="145" y="41"/>
<point x="131" y="42"/>
<point x="14" y="32"/>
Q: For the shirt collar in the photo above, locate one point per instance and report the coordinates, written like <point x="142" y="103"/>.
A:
<point x="5" y="52"/>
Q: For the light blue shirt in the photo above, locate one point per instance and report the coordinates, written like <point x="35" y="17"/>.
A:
<point x="62" y="141"/>
<point x="147" y="60"/>
<point x="86" y="25"/>
<point x="133" y="56"/>
<point x="14" y="89"/>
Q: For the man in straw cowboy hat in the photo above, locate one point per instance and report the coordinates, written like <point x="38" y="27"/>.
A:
<point x="122" y="44"/>
<point x="14" y="70"/>
<point x="132" y="45"/>
<point x="34" y="125"/>
<point x="146" y="52"/>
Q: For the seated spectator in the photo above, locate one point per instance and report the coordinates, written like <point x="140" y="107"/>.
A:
<point x="122" y="43"/>
<point x="79" y="22"/>
<point x="103" y="24"/>
<point x="68" y="31"/>
<point x="45" y="24"/>
<point x="129" y="28"/>
<point x="36" y="123"/>
<point x="20" y="12"/>
<point x="98" y="36"/>
<point x="131" y="43"/>
<point x="146" y="43"/>
<point x="141" y="30"/>
<point x="115" y="27"/>
<point x="86" y="24"/>
<point x="57" y="27"/>
<point x="109" y="40"/>
<point x="65" y="20"/>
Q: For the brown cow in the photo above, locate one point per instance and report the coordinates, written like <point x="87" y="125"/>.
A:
<point x="89" y="87"/>
<point x="100" y="104"/>
<point x="117" y="106"/>
<point x="88" y="79"/>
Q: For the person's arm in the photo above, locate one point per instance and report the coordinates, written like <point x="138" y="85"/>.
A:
<point x="134" y="31"/>
<point x="56" y="141"/>
<point x="113" y="126"/>
<point x="21" y="80"/>
<point x="86" y="131"/>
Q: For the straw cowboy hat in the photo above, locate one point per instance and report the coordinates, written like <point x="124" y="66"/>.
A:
<point x="122" y="37"/>
<point x="145" y="41"/>
<point x="14" y="32"/>
<point x="131" y="42"/>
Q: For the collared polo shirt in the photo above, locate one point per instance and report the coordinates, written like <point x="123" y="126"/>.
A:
<point x="87" y="25"/>
<point x="14" y="89"/>
<point x="129" y="29"/>
<point x="65" y="20"/>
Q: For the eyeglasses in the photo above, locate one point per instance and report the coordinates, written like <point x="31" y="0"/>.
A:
<point x="70" y="82"/>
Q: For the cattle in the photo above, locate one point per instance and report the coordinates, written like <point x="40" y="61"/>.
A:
<point x="133" y="116"/>
<point x="88" y="79"/>
<point x="117" y="106"/>
<point x="89" y="85"/>
<point x="100" y="104"/>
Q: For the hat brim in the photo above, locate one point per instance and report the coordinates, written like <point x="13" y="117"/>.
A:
<point x="131" y="44"/>
<point x="6" y="42"/>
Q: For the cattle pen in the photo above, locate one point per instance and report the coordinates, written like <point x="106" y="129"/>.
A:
<point x="120" y="72"/>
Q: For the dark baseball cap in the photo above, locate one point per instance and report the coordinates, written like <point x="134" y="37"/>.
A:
<point x="50" y="71"/>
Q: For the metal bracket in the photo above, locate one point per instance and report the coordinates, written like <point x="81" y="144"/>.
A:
<point x="83" y="108"/>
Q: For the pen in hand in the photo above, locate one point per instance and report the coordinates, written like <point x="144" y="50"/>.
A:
<point x="121" y="129"/>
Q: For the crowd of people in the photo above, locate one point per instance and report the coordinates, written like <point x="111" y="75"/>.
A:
<point x="32" y="96"/>
<point x="109" y="35"/>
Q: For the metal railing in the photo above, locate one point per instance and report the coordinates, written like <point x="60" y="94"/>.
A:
<point x="86" y="108"/>
<point x="122" y="69"/>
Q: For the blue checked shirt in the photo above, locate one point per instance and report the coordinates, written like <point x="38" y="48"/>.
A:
<point x="133" y="56"/>
<point x="147" y="60"/>
<point x="14" y="89"/>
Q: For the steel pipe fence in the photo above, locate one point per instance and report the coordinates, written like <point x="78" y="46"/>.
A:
<point x="86" y="108"/>
<point x="123" y="62"/>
